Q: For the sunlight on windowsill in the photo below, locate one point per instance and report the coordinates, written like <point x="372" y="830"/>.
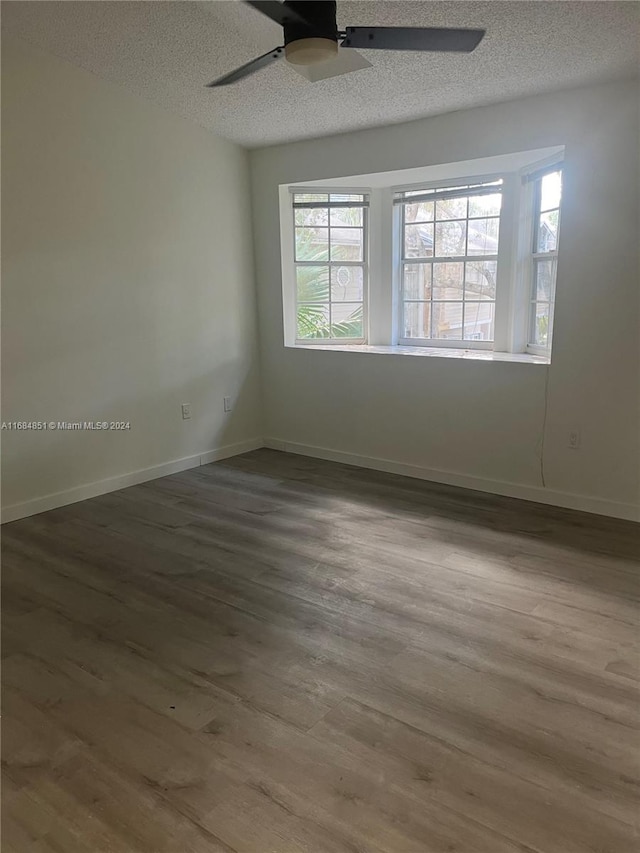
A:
<point x="430" y="352"/>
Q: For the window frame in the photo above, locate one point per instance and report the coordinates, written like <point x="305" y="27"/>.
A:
<point x="534" y="179"/>
<point x="500" y="258"/>
<point x="364" y="264"/>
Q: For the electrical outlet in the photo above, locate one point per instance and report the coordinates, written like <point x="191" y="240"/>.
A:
<point x="227" y="404"/>
<point x="574" y="439"/>
<point x="186" y="411"/>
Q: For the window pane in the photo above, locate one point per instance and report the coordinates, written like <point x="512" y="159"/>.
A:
<point x="451" y="208"/>
<point x="550" y="191"/>
<point x="478" y="321"/>
<point x="540" y="323"/>
<point x="417" y="320"/>
<point x="548" y="231"/>
<point x="483" y="237"/>
<point x="543" y="280"/>
<point x="346" y="216"/>
<point x="450" y="238"/>
<point x="312" y="284"/>
<point x="421" y="212"/>
<point x="485" y="205"/>
<point x="311" y="216"/>
<point x="313" y="321"/>
<point x="418" y="241"/>
<point x="447" y="320"/>
<point x="416" y="281"/>
<point x="480" y="280"/>
<point x="346" y="284"/>
<point x="447" y="281"/>
<point x="346" y="244"/>
<point x="346" y="320"/>
<point x="347" y="197"/>
<point x="312" y="244"/>
<point x="307" y="197"/>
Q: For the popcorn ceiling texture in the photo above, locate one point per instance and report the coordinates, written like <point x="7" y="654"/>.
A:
<point x="167" y="51"/>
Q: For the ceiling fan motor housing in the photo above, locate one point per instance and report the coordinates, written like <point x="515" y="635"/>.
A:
<point x="315" y="41"/>
<point x="321" y="16"/>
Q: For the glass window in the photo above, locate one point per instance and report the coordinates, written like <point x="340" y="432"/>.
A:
<point x="449" y="258"/>
<point x="547" y="195"/>
<point x="330" y="231"/>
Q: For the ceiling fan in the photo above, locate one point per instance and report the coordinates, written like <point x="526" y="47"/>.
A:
<point x="311" y="36"/>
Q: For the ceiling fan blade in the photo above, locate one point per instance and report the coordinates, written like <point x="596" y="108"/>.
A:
<point x="248" y="68"/>
<point x="413" y="38"/>
<point x="278" y="12"/>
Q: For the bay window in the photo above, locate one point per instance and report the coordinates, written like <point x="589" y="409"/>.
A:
<point x="463" y="262"/>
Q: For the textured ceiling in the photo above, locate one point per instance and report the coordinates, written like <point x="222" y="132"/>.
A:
<point x="167" y="51"/>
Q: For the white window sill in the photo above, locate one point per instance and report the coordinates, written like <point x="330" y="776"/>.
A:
<point x="430" y="352"/>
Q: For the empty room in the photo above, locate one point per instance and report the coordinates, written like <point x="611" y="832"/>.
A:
<point x="320" y="427"/>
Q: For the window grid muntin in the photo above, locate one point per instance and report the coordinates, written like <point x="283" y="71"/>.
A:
<point x="358" y="200"/>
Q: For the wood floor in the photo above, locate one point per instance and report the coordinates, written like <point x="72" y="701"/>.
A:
<point x="276" y="654"/>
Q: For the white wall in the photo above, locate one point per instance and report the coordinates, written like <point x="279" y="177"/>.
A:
<point x="127" y="284"/>
<point x="474" y="422"/>
<point x="127" y="290"/>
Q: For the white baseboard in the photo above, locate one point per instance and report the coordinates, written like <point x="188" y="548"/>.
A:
<point x="112" y="484"/>
<point x="537" y="494"/>
<point x="585" y="503"/>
